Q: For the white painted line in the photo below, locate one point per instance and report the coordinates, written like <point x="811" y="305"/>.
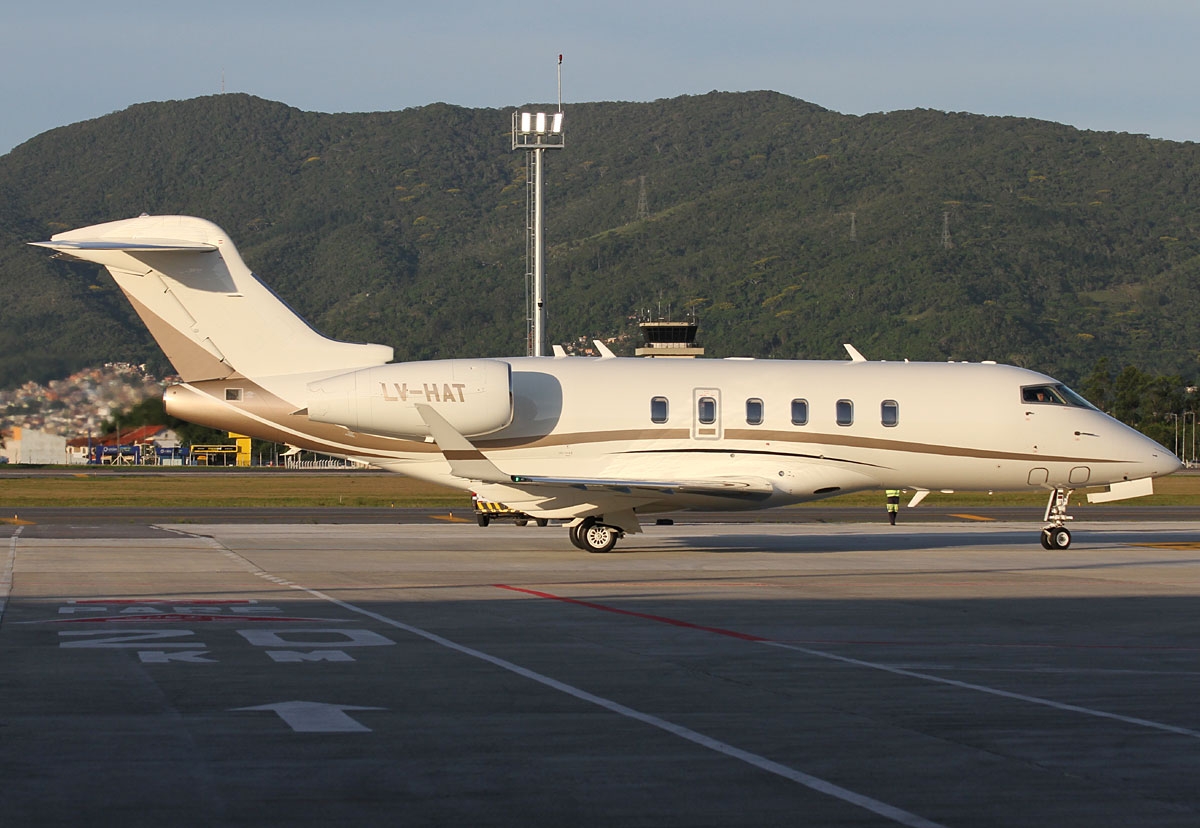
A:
<point x="6" y="577"/>
<point x="814" y="783"/>
<point x="992" y="691"/>
<point x="316" y="717"/>
<point x="872" y="665"/>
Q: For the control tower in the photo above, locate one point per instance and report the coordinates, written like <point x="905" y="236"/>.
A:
<point x="669" y="339"/>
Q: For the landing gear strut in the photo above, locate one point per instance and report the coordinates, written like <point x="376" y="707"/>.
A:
<point x="591" y="536"/>
<point x="1056" y="535"/>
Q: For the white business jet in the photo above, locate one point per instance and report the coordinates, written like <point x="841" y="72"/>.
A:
<point x="598" y="442"/>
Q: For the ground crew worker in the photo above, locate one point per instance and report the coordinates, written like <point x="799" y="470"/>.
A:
<point x="893" y="505"/>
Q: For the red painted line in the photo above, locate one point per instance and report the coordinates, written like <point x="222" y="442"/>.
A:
<point x="661" y="619"/>
<point x="675" y="622"/>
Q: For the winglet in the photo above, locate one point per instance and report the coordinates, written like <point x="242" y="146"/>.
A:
<point x="465" y="460"/>
<point x="855" y="356"/>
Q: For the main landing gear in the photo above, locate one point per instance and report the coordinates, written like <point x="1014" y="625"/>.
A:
<point x="1057" y="535"/>
<point x="592" y="536"/>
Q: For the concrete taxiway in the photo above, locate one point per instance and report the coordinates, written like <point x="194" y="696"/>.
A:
<point x="702" y="674"/>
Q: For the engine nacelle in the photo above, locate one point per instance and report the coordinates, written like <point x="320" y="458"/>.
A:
<point x="474" y="395"/>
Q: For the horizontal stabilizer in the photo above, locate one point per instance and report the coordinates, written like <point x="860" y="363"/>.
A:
<point x="1124" y="490"/>
<point x="146" y="246"/>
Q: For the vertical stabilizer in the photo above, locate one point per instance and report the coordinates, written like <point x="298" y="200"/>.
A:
<point x="211" y="316"/>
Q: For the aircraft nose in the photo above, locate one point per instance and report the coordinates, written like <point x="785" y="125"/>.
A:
<point x="1161" y="461"/>
<point x="1165" y="463"/>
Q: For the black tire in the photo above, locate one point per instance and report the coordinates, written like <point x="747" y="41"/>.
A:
<point x="1046" y="539"/>
<point x="541" y="521"/>
<point x="599" y="538"/>
<point x="573" y="534"/>
<point x="521" y="522"/>
<point x="482" y="520"/>
<point x="1060" y="537"/>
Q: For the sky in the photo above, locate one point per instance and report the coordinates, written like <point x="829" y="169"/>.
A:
<point x="1130" y="66"/>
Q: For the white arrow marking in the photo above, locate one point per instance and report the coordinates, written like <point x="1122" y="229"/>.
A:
<point x="316" y="717"/>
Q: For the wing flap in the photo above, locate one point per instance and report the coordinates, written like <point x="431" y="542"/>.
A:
<point x="739" y="488"/>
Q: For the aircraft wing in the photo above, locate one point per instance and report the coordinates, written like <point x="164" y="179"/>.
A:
<point x="619" y="501"/>
<point x="578" y="496"/>
<point x="734" y="488"/>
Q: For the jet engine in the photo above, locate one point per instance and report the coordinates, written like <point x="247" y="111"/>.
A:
<point x="473" y="395"/>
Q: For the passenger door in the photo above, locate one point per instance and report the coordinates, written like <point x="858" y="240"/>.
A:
<point x="706" y="414"/>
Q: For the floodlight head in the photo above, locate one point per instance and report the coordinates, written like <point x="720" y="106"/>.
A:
<point x="541" y="123"/>
<point x="537" y="130"/>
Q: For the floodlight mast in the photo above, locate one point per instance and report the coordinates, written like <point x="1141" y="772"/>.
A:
<point x="537" y="132"/>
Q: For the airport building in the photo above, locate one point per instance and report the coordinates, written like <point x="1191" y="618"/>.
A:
<point x="26" y="445"/>
<point x="142" y="445"/>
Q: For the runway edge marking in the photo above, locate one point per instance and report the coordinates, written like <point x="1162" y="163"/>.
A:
<point x="858" y="662"/>
<point x="809" y="781"/>
<point x="6" y="577"/>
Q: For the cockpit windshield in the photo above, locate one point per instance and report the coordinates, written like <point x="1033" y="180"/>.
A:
<point x="1056" y="394"/>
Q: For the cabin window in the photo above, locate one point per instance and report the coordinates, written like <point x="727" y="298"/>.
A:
<point x="233" y="395"/>
<point x="706" y="410"/>
<point x="889" y="413"/>
<point x="845" y="412"/>
<point x="754" y="411"/>
<point x="799" y="412"/>
<point x="658" y="410"/>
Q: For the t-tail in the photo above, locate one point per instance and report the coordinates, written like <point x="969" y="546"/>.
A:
<point x="210" y="315"/>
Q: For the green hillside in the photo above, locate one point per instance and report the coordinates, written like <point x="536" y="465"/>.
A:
<point x="790" y="228"/>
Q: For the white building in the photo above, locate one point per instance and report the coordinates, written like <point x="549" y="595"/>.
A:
<point x="25" y="445"/>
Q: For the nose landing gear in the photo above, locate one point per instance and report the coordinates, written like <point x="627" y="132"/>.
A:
<point x="1057" y="535"/>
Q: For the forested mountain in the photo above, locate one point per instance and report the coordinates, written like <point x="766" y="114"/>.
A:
<point x="790" y="229"/>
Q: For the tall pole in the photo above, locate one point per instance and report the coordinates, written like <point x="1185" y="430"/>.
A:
<point x="539" y="256"/>
<point x="1184" y="456"/>
<point x="536" y="132"/>
<point x="1193" y="438"/>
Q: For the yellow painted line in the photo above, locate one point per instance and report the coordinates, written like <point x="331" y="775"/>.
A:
<point x="452" y="519"/>
<point x="972" y="517"/>
<point x="16" y="521"/>
<point x="1188" y="545"/>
